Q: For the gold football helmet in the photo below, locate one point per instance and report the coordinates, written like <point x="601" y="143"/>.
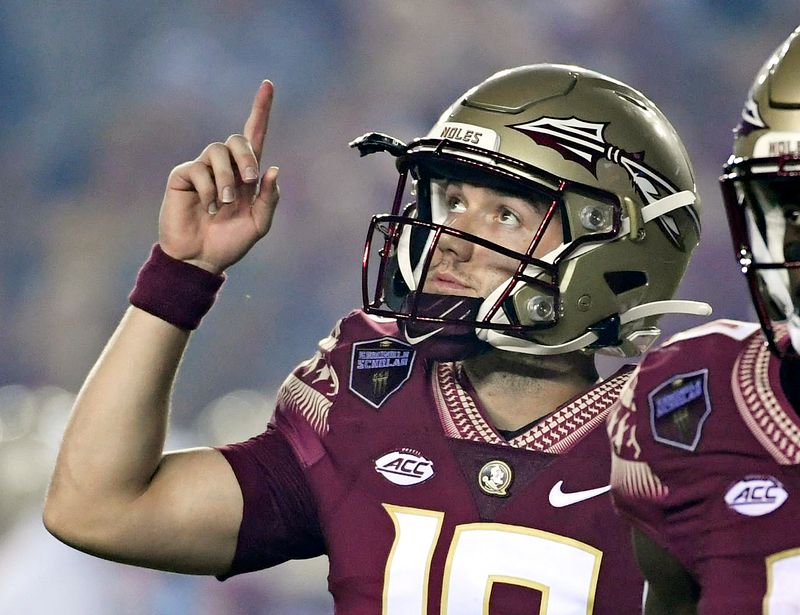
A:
<point x="761" y="188"/>
<point x="612" y="170"/>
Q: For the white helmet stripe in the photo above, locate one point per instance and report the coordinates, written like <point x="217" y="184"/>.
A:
<point x="404" y="258"/>
<point x="777" y="280"/>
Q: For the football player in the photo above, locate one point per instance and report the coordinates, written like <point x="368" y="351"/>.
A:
<point x="444" y="445"/>
<point x="706" y="439"/>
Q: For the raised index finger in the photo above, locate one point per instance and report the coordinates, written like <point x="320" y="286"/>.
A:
<point x="255" y="128"/>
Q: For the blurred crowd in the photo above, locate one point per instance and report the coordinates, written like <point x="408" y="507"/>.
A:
<point x="99" y="100"/>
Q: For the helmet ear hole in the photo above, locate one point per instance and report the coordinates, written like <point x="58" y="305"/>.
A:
<point x="624" y="281"/>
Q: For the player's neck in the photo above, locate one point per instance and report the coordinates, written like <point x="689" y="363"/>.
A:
<point x="517" y="389"/>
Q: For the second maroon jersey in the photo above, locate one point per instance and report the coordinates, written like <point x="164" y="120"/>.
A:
<point x="707" y="463"/>
<point x="385" y="461"/>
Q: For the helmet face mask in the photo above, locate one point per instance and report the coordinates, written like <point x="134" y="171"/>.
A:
<point x="761" y="190"/>
<point x="412" y="237"/>
<point x="762" y="199"/>
<point x="611" y="182"/>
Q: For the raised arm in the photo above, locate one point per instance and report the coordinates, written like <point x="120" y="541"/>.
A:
<point x="114" y="492"/>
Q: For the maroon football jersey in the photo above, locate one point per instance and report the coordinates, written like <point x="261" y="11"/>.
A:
<point x="384" y="460"/>
<point x="706" y="461"/>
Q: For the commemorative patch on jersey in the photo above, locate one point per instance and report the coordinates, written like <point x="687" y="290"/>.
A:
<point x="678" y="409"/>
<point x="404" y="467"/>
<point x="755" y="496"/>
<point x="378" y="368"/>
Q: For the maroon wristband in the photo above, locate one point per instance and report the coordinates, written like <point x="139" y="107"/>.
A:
<point x="177" y="292"/>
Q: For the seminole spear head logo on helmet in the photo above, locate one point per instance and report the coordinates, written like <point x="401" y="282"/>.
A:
<point x="583" y="142"/>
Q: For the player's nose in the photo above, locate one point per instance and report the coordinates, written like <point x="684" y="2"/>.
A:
<point x="454" y="240"/>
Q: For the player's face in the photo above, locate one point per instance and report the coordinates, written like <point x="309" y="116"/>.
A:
<point x="791" y="245"/>
<point x="461" y="267"/>
<point x="785" y="195"/>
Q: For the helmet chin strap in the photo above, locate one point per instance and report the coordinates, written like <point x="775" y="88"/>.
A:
<point x="646" y="310"/>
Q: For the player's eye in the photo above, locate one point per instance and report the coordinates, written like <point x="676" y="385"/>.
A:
<point x="455" y="204"/>
<point x="508" y="217"/>
<point x="792" y="215"/>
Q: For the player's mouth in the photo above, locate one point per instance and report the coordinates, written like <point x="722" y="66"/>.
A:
<point x="448" y="284"/>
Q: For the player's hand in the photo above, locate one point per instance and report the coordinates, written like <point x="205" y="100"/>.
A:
<point x="214" y="208"/>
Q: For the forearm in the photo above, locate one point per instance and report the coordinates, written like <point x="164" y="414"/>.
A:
<point x="114" y="492"/>
<point x="115" y="437"/>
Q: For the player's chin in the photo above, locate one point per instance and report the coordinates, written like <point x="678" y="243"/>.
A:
<point x="449" y="289"/>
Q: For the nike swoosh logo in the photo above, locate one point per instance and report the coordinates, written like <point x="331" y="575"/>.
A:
<point x="420" y="338"/>
<point x="559" y="499"/>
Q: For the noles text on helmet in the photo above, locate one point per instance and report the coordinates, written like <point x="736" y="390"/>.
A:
<point x="606" y="171"/>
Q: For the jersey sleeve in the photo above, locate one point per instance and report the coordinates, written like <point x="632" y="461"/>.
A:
<point x="637" y="491"/>
<point x="671" y="426"/>
<point x="280" y="519"/>
<point x="705" y="463"/>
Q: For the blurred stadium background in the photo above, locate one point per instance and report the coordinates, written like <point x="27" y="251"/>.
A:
<point x="99" y="100"/>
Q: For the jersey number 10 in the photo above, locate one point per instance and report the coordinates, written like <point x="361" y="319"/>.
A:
<point x="481" y="554"/>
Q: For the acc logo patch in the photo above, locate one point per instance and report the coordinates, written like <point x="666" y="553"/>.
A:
<point x="404" y="467"/>
<point x="379" y="368"/>
<point x="678" y="409"/>
<point x="754" y="496"/>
